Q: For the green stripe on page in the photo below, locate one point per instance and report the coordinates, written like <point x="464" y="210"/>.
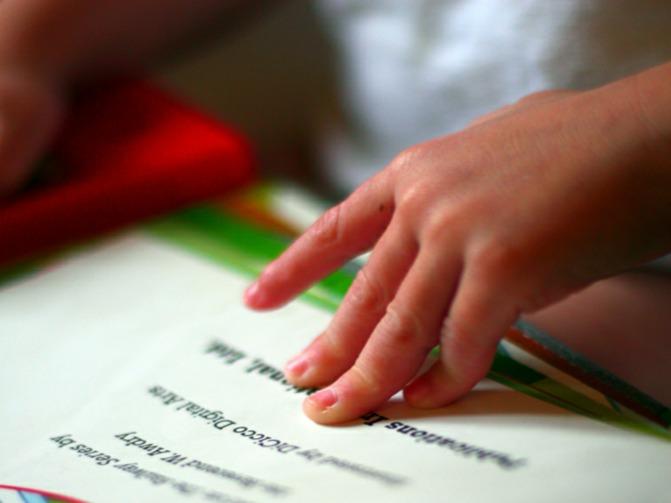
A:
<point x="603" y="376"/>
<point x="233" y="242"/>
<point x="512" y="373"/>
<point x="15" y="273"/>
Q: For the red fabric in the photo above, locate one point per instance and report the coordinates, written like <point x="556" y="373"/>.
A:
<point x="131" y="151"/>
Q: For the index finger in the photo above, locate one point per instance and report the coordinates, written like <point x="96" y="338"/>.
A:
<point x="341" y="233"/>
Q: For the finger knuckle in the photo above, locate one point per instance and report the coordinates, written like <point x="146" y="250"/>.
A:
<point x="405" y="159"/>
<point x="367" y="189"/>
<point x="326" y="231"/>
<point x="497" y="260"/>
<point x="367" y="292"/>
<point x="365" y="378"/>
<point x="441" y="225"/>
<point x="411" y="202"/>
<point x="402" y="327"/>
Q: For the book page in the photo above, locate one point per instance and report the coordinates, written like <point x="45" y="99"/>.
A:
<point x="132" y="372"/>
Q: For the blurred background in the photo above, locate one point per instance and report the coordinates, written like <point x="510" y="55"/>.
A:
<point x="270" y="73"/>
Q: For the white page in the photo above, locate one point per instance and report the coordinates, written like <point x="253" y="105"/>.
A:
<point x="91" y="349"/>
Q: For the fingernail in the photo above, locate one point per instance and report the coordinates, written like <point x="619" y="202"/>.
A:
<point x="324" y="399"/>
<point x="297" y="366"/>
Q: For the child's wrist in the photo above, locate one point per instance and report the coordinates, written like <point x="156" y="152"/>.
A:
<point x="655" y="98"/>
<point x="634" y="114"/>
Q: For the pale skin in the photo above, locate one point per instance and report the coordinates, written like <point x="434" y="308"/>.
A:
<point x="471" y="230"/>
<point x="468" y="231"/>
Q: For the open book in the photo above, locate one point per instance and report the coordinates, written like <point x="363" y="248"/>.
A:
<point x="130" y="371"/>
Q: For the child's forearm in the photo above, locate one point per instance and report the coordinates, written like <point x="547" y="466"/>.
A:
<point x="640" y="107"/>
<point x="65" y="40"/>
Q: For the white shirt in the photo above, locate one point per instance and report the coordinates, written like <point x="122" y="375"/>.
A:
<point x="417" y="69"/>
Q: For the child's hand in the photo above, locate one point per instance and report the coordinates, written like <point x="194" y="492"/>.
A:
<point x="30" y="112"/>
<point x="469" y="231"/>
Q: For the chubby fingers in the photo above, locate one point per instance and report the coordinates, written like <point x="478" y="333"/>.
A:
<point x="376" y="284"/>
<point x="341" y="233"/>
<point x="398" y="345"/>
